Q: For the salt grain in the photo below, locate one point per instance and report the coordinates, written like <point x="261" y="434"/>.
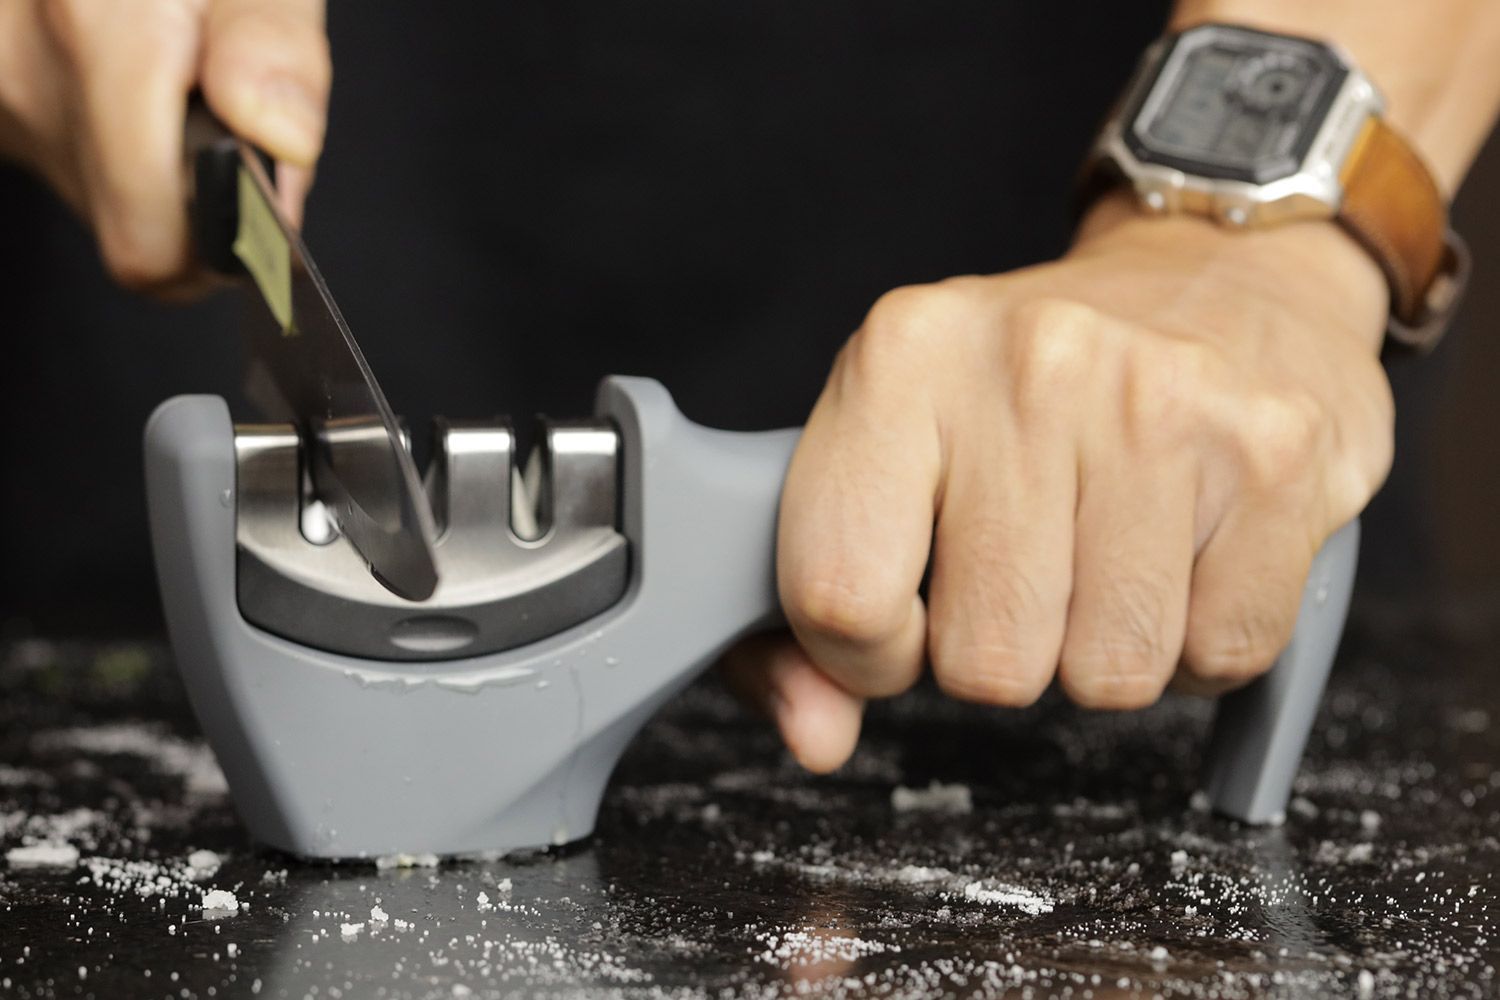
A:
<point x="202" y="864"/>
<point x="220" y="900"/>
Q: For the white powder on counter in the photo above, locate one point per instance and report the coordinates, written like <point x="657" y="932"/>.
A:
<point x="49" y="855"/>
<point x="192" y="761"/>
<point x="936" y="797"/>
<point x="388" y="861"/>
<point x="1002" y="894"/>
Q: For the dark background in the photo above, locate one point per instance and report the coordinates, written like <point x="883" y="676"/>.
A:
<point x="519" y="198"/>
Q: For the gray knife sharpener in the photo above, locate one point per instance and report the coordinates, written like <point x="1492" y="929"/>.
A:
<point x="351" y="723"/>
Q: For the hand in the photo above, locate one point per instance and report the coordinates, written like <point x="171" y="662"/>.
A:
<point x="93" y="96"/>
<point x="1120" y="465"/>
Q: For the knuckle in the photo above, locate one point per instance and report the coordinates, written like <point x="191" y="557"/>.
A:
<point x="67" y="22"/>
<point x="1168" y="386"/>
<point x="1279" y="434"/>
<point x="1123" y="660"/>
<point x="988" y="674"/>
<point x="1239" y="648"/>
<point x="1054" y="344"/>
<point x="996" y="612"/>
<point x="82" y="29"/>
<point x="137" y="264"/>
<point x="910" y="319"/>
<point x="266" y="31"/>
<point x="827" y="604"/>
<point x="1101" y="685"/>
<point x="1113" y="673"/>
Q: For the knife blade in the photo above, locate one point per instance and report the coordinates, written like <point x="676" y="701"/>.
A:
<point x="305" y="366"/>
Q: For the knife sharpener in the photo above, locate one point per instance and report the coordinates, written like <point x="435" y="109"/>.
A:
<point x="352" y="723"/>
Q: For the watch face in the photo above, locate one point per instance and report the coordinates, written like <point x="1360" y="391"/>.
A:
<point x="1235" y="103"/>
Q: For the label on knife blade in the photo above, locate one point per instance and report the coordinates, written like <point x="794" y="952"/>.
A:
<point x="262" y="247"/>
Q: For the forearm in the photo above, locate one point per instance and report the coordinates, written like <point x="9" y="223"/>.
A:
<point x="1436" y="61"/>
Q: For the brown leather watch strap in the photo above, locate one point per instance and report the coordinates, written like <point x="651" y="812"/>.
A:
<point x="1392" y="205"/>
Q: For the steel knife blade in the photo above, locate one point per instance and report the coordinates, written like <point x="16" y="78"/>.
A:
<point x="305" y="366"/>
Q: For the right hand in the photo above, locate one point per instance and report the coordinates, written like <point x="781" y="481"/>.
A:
<point x="93" y="95"/>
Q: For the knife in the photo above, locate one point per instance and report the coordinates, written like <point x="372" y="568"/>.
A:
<point x="305" y="366"/>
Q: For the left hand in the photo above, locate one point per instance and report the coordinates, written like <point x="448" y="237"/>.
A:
<point x="1120" y="465"/>
<point x="93" y="94"/>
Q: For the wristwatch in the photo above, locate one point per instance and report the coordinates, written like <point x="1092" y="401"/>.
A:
<point x="1257" y="129"/>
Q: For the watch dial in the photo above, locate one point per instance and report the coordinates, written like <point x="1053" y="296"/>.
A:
<point x="1234" y="103"/>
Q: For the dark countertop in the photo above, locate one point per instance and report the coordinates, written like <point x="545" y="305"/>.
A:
<point x="1066" y="857"/>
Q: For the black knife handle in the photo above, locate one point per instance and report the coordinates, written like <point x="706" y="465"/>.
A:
<point x="213" y="164"/>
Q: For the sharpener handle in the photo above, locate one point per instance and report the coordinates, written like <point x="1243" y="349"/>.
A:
<point x="1261" y="730"/>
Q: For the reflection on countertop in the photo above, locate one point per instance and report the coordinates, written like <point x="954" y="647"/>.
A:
<point x="964" y="851"/>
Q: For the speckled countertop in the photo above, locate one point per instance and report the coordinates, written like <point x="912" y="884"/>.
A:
<point x="1059" y="854"/>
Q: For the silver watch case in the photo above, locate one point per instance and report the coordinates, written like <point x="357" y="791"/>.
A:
<point x="1314" y="191"/>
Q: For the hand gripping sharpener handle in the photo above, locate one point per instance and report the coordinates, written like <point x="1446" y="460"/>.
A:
<point x="336" y="755"/>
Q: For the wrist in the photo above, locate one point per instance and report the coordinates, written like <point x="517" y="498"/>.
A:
<point x="1312" y="269"/>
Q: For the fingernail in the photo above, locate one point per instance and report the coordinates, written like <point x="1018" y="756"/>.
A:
<point x="290" y="119"/>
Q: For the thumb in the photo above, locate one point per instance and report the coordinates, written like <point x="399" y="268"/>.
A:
<point x="819" y="721"/>
<point x="266" y="72"/>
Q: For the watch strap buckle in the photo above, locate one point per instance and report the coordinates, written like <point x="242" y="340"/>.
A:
<point x="1441" y="300"/>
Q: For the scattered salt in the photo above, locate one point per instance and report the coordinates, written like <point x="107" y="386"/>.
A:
<point x="386" y="861"/>
<point x="916" y="874"/>
<point x="42" y="856"/>
<point x="999" y="893"/>
<point x="190" y="760"/>
<point x="936" y="797"/>
<point x="794" y="948"/>
<point x="377" y="915"/>
<point x="350" y="931"/>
